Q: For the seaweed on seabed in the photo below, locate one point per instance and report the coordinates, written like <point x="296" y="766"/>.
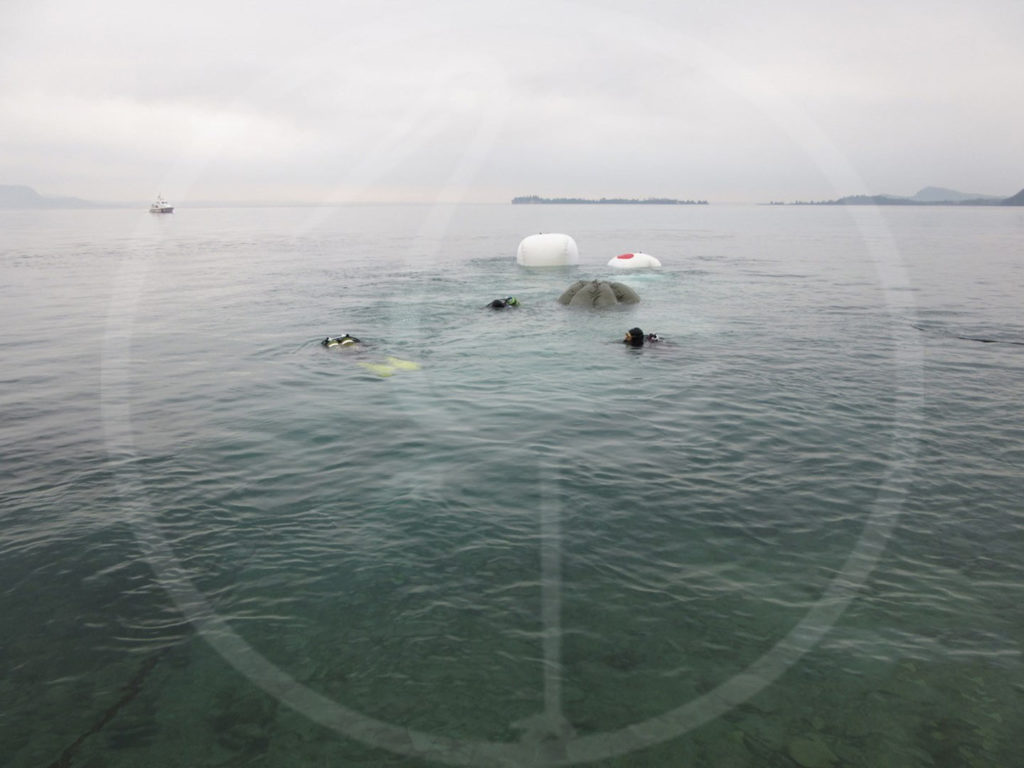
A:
<point x="130" y="691"/>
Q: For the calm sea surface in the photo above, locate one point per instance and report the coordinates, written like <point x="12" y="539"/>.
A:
<point x="792" y="534"/>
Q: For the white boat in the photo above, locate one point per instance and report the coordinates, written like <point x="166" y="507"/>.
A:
<point x="161" y="206"/>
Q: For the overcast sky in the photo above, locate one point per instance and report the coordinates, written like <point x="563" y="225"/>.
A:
<point x="334" y="101"/>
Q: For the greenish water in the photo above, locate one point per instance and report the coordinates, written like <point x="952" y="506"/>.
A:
<point x="789" y="535"/>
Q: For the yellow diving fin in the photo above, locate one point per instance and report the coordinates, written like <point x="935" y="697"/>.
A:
<point x="379" y="368"/>
<point x="403" y="365"/>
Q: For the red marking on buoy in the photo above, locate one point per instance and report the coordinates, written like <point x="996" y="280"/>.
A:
<point x="625" y="256"/>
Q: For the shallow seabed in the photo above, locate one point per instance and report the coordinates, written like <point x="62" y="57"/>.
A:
<point x="791" y="534"/>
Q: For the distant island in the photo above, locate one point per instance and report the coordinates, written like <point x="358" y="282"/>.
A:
<point x="926" y="196"/>
<point x="535" y="200"/>
<point x="20" y="196"/>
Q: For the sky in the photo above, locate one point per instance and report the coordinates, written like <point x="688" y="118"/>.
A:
<point x="332" y="101"/>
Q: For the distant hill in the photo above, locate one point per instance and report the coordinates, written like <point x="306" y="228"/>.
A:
<point x="943" y="195"/>
<point x="926" y="196"/>
<point x="18" y="196"/>
<point x="1017" y="199"/>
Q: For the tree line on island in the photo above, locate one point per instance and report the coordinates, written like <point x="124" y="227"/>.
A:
<point x="537" y="200"/>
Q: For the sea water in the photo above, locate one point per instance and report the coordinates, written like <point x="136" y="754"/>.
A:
<point x="790" y="533"/>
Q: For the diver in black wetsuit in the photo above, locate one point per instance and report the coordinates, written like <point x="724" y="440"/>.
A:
<point x="508" y="301"/>
<point x="635" y="337"/>
<point x="341" y="341"/>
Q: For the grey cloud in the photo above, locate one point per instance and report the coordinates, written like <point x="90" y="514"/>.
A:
<point x="602" y="98"/>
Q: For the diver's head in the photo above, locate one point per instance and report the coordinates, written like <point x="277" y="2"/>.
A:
<point x="634" y="337"/>
<point x="340" y="341"/>
<point x="508" y="301"/>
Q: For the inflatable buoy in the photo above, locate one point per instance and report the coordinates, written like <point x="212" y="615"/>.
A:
<point x="634" y="261"/>
<point x="597" y="293"/>
<point x="548" y="250"/>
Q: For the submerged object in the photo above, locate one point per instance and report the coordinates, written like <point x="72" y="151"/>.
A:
<point x="403" y="365"/>
<point x="548" y="250"/>
<point x="597" y="293"/>
<point x="388" y="368"/>
<point x="636" y="260"/>
<point x="381" y="369"/>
